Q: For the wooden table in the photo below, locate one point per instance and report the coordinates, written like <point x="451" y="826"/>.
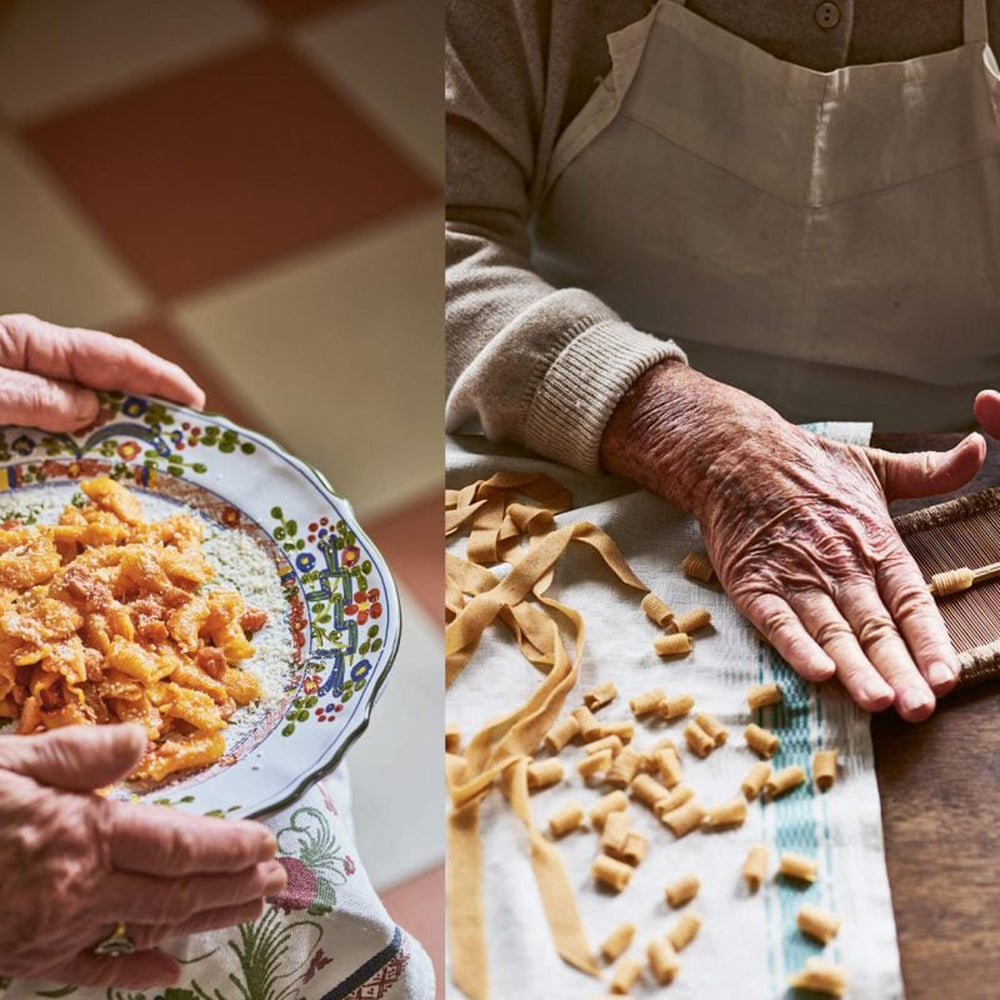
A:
<point x="940" y="787"/>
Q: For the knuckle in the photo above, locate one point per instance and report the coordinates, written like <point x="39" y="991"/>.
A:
<point x="832" y="633"/>
<point x="874" y="629"/>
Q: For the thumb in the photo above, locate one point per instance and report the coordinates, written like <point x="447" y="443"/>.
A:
<point x="80" y="758"/>
<point x="925" y="473"/>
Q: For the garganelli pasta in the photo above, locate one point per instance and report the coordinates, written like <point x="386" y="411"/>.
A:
<point x="561" y="733"/>
<point x="698" y="740"/>
<point x="755" y="866"/>
<point x="627" y="971"/>
<point x="783" y="781"/>
<point x="692" y="621"/>
<point x="674" y="708"/>
<point x="684" y="931"/>
<point x="617" y="942"/>
<point x="679" y="794"/>
<point x="695" y="566"/>
<point x="598" y="697"/>
<point x="821" y="976"/>
<point x="817" y="923"/>
<point x="635" y="849"/>
<point x="762" y="741"/>
<point x="673" y="645"/>
<point x="668" y="765"/>
<point x="726" y="815"/>
<point x="590" y="728"/>
<point x="649" y="754"/>
<point x="711" y="725"/>
<point x="614" y="874"/>
<point x="683" y="890"/>
<point x="623" y="730"/>
<point x="763" y="694"/>
<point x="662" y="961"/>
<point x="625" y="767"/>
<point x="798" y="866"/>
<point x="756" y="777"/>
<point x="595" y="763"/>
<point x="615" y="833"/>
<point x="682" y="820"/>
<point x="612" y="743"/>
<point x="452" y="739"/>
<point x="656" y="610"/>
<point x="566" y="820"/>
<point x="648" y="790"/>
<point x="648" y="701"/>
<point x="824" y="768"/>
<point x="544" y="773"/>
<point x="616" y="801"/>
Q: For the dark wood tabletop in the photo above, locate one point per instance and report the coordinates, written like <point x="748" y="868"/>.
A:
<point x="940" y="787"/>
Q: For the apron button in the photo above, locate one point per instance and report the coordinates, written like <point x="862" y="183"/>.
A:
<point x="827" y="15"/>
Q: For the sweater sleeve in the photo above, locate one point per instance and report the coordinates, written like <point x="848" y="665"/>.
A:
<point x="532" y="364"/>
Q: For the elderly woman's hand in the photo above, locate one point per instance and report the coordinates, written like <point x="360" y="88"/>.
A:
<point x="48" y="373"/>
<point x="798" y="531"/>
<point x="74" y="864"/>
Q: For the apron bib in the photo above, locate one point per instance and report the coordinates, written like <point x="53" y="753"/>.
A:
<point x="829" y="242"/>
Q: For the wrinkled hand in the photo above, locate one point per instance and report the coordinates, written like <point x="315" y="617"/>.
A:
<point x="799" y="532"/>
<point x="73" y="864"/>
<point x="48" y="374"/>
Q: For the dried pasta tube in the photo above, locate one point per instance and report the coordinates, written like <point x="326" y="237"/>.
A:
<point x="824" y="768"/>
<point x="623" y="730"/>
<point x="674" y="708"/>
<point x="566" y="820"/>
<point x="616" y="801"/>
<point x="682" y="820"/>
<point x="684" y="931"/>
<point x="625" y="767"/>
<point x="452" y="739"/>
<point x="648" y="701"/>
<point x="683" y="890"/>
<point x="784" y="781"/>
<point x="762" y="741"/>
<point x="617" y="942"/>
<point x="663" y="961"/>
<point x="821" y="977"/>
<point x="763" y="694"/>
<point x="668" y="764"/>
<point x="544" y="773"/>
<point x="635" y="849"/>
<point x="657" y="611"/>
<point x="648" y="790"/>
<point x="616" y="831"/>
<point x="595" y="763"/>
<point x="673" y="645"/>
<point x="601" y="695"/>
<point x="612" y="743"/>
<point x="649" y="754"/>
<point x="755" y="866"/>
<point x="798" y="866"/>
<point x="695" y="566"/>
<point x="819" y="924"/>
<point x="698" y="740"/>
<point x="755" y="779"/>
<point x="711" y="725"/>
<point x="691" y="621"/>
<point x="679" y="794"/>
<point x="590" y="728"/>
<point x="614" y="874"/>
<point x="627" y="971"/>
<point x="561" y="733"/>
<point x="726" y="815"/>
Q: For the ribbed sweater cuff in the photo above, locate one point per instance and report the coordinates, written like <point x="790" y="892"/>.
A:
<point x="582" y="387"/>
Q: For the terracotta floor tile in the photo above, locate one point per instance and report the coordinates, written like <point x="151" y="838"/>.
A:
<point x="418" y="905"/>
<point x="225" y="167"/>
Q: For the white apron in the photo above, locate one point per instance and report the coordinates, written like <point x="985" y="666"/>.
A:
<point x="829" y="242"/>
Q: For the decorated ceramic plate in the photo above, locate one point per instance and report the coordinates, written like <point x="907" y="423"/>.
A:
<point x="277" y="532"/>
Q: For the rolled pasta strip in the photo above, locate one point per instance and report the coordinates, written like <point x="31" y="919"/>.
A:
<point x="601" y="695"/>
<point x="695" y="566"/>
<point x="691" y="621"/>
<point x="635" y="849"/>
<point x="711" y="725"/>
<point x="657" y="611"/>
<point x="648" y="701"/>
<point x="668" y="764"/>
<point x="544" y="773"/>
<point x="623" y="730"/>
<point x="755" y="779"/>
<point x="820" y="976"/>
<point x="784" y="781"/>
<point x="819" y="924"/>
<point x="616" y="831"/>
<point x="824" y="768"/>
<point x="612" y="743"/>
<point x="452" y="739"/>
<point x="565" y="820"/>
<point x="684" y="931"/>
<point x="674" y="708"/>
<point x="683" y="890"/>
<point x="755" y="866"/>
<point x="698" y="740"/>
<point x="662" y="961"/>
<point x="590" y="728"/>
<point x="625" y="767"/>
<point x="726" y="815"/>
<point x="614" y="874"/>
<point x="682" y="820"/>
<point x="798" y="866"/>
<point x="952" y="581"/>
<point x="648" y="790"/>
<point x="679" y="794"/>
<point x="561" y="733"/>
<point x="763" y="694"/>
<point x="616" y="801"/>
<point x="627" y="971"/>
<point x="762" y="741"/>
<point x="595" y="763"/>
<point x="673" y="645"/>
<point x="617" y="942"/>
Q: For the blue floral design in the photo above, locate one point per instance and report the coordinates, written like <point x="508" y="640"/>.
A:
<point x="23" y="445"/>
<point x="305" y="561"/>
<point x="134" y="406"/>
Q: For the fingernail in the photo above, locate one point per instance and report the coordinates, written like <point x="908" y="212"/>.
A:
<point x="268" y="846"/>
<point x="877" y="693"/>
<point x="915" y="700"/>
<point x="276" y="880"/>
<point x="85" y="405"/>
<point x="940" y="674"/>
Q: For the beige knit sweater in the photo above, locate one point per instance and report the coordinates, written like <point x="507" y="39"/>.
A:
<point x="541" y="366"/>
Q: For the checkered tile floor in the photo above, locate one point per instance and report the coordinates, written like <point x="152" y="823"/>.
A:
<point x="251" y="188"/>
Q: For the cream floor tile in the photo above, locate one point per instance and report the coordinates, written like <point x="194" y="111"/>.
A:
<point x="396" y="768"/>
<point x="389" y="56"/>
<point x="340" y="352"/>
<point x="56" y="53"/>
<point x="51" y="262"/>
